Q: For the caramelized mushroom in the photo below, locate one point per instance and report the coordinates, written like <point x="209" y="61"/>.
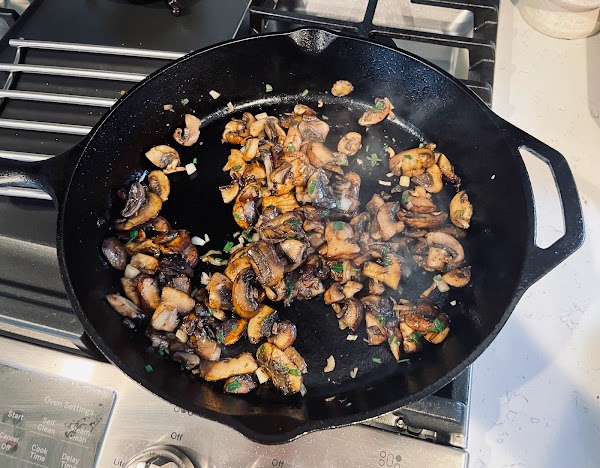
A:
<point x="457" y="277"/>
<point x="143" y="215"/>
<point x="165" y="157"/>
<point x="261" y="324"/>
<point x="377" y="113"/>
<point x="283" y="335"/>
<point x="144" y="263"/>
<point x="129" y="286"/>
<point x="388" y="273"/>
<point x="447" y="169"/>
<point x="342" y="88"/>
<point x="164" y="319"/>
<point x="340" y="244"/>
<point x="239" y="384"/>
<point x="350" y="143"/>
<point x="115" y="253"/>
<point x="176" y="300"/>
<point x="389" y="225"/>
<point x="190" y="134"/>
<point x="412" y="162"/>
<point x="411" y="339"/>
<point x="159" y="184"/>
<point x="124" y="306"/>
<point x="313" y="129"/>
<point x="135" y="200"/>
<point x="296" y="358"/>
<point x="318" y="154"/>
<point x="461" y="210"/>
<point x="219" y="292"/>
<point x="221" y="370"/>
<point x="351" y="314"/>
<point x="283" y="372"/>
<point x="232" y="331"/>
<point x="244" y="294"/>
<point x="149" y="294"/>
<point x="431" y="179"/>
<point x="267" y="265"/>
<point x="439" y="240"/>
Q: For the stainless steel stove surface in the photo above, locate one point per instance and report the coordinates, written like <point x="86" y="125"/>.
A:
<point x="58" y="81"/>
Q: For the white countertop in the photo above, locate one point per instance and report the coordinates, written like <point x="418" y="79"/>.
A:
<point x="536" y="389"/>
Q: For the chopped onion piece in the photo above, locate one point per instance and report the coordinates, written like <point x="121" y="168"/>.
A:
<point x="353" y="372"/>
<point x="204" y="279"/>
<point x="262" y="115"/>
<point x="198" y="241"/>
<point x="330" y="364"/>
<point x="331" y="398"/>
<point x="351" y="337"/>
<point x="255" y="237"/>
<point x="211" y="252"/>
<point x="359" y="161"/>
<point x="303" y="390"/>
<point x="181" y="336"/>
<point x="206" y="238"/>
<point x="131" y="272"/>
<point x="214" y="94"/>
<point x="385" y="182"/>
<point x="390" y="174"/>
<point x="441" y="285"/>
<point x="452" y="303"/>
<point x="320" y="103"/>
<point x="262" y="375"/>
<point x="345" y="204"/>
<point x="404" y="181"/>
<point x="168" y="107"/>
<point x="230" y="106"/>
<point x="190" y="168"/>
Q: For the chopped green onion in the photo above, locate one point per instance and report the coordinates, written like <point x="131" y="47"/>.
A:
<point x="268" y="88"/>
<point x="291" y="148"/>
<point x="149" y="368"/>
<point x="407" y="156"/>
<point x="338" y="225"/>
<point x="289" y="289"/>
<point x="312" y="186"/>
<point x="294" y="372"/>
<point x="379" y="105"/>
<point x="245" y="365"/>
<point x="367" y="148"/>
<point x="247" y="236"/>
<point x="195" y="160"/>
<point x="437" y="278"/>
<point x="233" y="386"/>
<point x="324" y="213"/>
<point x="381" y="321"/>
<point x="421" y="145"/>
<point x="237" y="216"/>
<point x="220" y="337"/>
<point x="337" y="267"/>
<point x="185" y="101"/>
<point x="447" y="267"/>
<point x="438" y="326"/>
<point x="324" y="117"/>
<point x="133" y="234"/>
<point x="385" y="261"/>
<point x="385" y="147"/>
<point x="237" y="167"/>
<point x="405" y="196"/>
<point x="304" y="93"/>
<point x="403" y="360"/>
<point x="228" y="247"/>
<point x="377" y="360"/>
<point x="295" y="222"/>
<point x="416" y="337"/>
<point x="161" y="352"/>
<point x="218" y="259"/>
<point x="393" y="139"/>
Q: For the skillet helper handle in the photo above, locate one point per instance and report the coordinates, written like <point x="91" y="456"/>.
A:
<point x="540" y="261"/>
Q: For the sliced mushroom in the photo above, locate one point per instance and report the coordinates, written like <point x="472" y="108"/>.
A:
<point x="229" y="192"/>
<point x="388" y="273"/>
<point x="250" y="149"/>
<point x="376" y="287"/>
<point x="342" y="88"/>
<point x="417" y="204"/>
<point x="293" y="140"/>
<point x="221" y="370"/>
<point x="447" y="169"/>
<point x="285" y="226"/>
<point x="148" y="246"/>
<point x="295" y="250"/>
<point x="164" y="319"/>
<point x="283" y="203"/>
<point x="351" y="314"/>
<point x="239" y="384"/>
<point x="412" y="162"/>
<point x="461" y="210"/>
<point x="143" y="215"/>
<point x="449" y="244"/>
<point x="423" y="220"/>
<point x="411" y="339"/>
<point x="158" y="183"/>
<point x="394" y="342"/>
<point x="219" y="292"/>
<point x="377" y="113"/>
<point x="376" y="333"/>
<point x="457" y="277"/>
<point x="350" y="143"/>
<point x="340" y="241"/>
<point x="135" y="200"/>
<point x="318" y="191"/>
<point x="144" y="263"/>
<point x="232" y="330"/>
<point x="164" y="157"/>
<point x="158" y="224"/>
<point x="205" y="347"/>
<point x="267" y="265"/>
<point x="176" y="300"/>
<point x="244" y="294"/>
<point x="283" y="335"/>
<point x="188" y="360"/>
<point x="431" y="179"/>
<point x="313" y="129"/>
<point x="388" y="223"/>
<point x="302" y="109"/>
<point x="190" y="134"/>
<point x="318" y="154"/>
<point x="237" y="262"/>
<point x="284" y="373"/>
<point x="129" y="286"/>
<point x="245" y="213"/>
<point x="380" y="318"/>
<point x="149" y="294"/>
<point x="124" y="306"/>
<point x="181" y="283"/>
<point x="296" y="358"/>
<point x="261" y="324"/>
<point x="115" y="253"/>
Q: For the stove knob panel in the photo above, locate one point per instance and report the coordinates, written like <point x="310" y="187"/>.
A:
<point x="160" y="457"/>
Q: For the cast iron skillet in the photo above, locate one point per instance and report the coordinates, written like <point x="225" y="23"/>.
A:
<point x="430" y="105"/>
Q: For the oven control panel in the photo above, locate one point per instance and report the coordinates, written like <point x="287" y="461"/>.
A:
<point x="50" y="422"/>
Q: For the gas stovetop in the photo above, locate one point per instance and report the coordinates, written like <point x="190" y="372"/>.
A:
<point x="58" y="81"/>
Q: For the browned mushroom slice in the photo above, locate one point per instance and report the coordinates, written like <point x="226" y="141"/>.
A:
<point x="380" y="317"/>
<point x="238" y="130"/>
<point x="177" y="300"/>
<point x="318" y="191"/>
<point x="267" y="265"/>
<point x="461" y="210"/>
<point x="277" y="292"/>
<point x="374" y="204"/>
<point x="190" y="134"/>
<point x="431" y="179"/>
<point x="149" y="294"/>
<point x="377" y="113"/>
<point x="158" y="183"/>
<point x="411" y="339"/>
<point x="239" y="384"/>
<point x="284" y="334"/>
<point x="293" y="354"/>
<point x="144" y="263"/>
<point x="205" y="347"/>
<point x="395" y="341"/>
<point x="295" y="250"/>
<point x="293" y="140"/>
<point x="340" y="244"/>
<point x="232" y="330"/>
<point x="417" y="204"/>
<point x="447" y="169"/>
<point x="351" y="314"/>
<point x="244" y="294"/>
<point x="439" y="241"/>
<point x="313" y="129"/>
<point x="115" y="253"/>
<point x="245" y="213"/>
<point x="423" y="220"/>
<point x="350" y="143"/>
<point x="274" y="132"/>
<point x="158" y="224"/>
<point x="303" y="109"/>
<point x="458" y="277"/>
<point x="283" y="203"/>
<point x="452" y="230"/>
<point x="376" y="333"/>
<point x="439" y="331"/>
<point x="350" y="288"/>
<point x="129" y="286"/>
<point x="237" y="262"/>
<point x="412" y="162"/>
<point x="389" y="272"/>
<point x="219" y="292"/>
<point x="308" y="286"/>
<point x="254" y="172"/>
<point x="164" y="319"/>
<point x="124" y="306"/>
<point x="347" y="189"/>
<point x="261" y="324"/>
<point x="389" y="225"/>
<point x="342" y="88"/>
<point x="221" y="370"/>
<point x="318" y="154"/>
<point x="144" y="214"/>
<point x="285" y="226"/>
<point x="334" y="294"/>
<point x="188" y="360"/>
<point x="376" y="287"/>
<point x="281" y="179"/>
<point x="282" y="370"/>
<point x="181" y="283"/>
<point x="164" y="157"/>
<point x="136" y="198"/>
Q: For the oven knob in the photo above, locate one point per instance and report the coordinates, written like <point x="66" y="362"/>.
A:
<point x="160" y="457"/>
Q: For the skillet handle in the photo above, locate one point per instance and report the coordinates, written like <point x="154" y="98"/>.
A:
<point x="540" y="261"/>
<point x="51" y="175"/>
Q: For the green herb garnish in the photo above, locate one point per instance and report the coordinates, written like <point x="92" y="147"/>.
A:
<point x="437" y="278"/>
<point x="339" y="225"/>
<point x="324" y="117"/>
<point x="289" y="288"/>
<point x="149" y="368"/>
<point x="133" y="234"/>
<point x="233" y="386"/>
<point x="407" y="156"/>
<point x="377" y="360"/>
<point x="185" y="101"/>
<point x="218" y="259"/>
<point x="295" y="222"/>
<point x="268" y="88"/>
<point x="220" y="337"/>
<point x="228" y="247"/>
<point x="421" y="145"/>
<point x="386" y="261"/>
<point x="374" y="159"/>
<point x="294" y="372"/>
<point x="379" y="105"/>
<point x="237" y="216"/>
<point x="291" y="148"/>
<point x="403" y="360"/>
<point x="304" y="93"/>
<point x="247" y="236"/>
<point x="438" y="326"/>
<point x="161" y="352"/>
<point x="447" y="267"/>
<point x="416" y="337"/>
<point x="237" y="167"/>
<point x="195" y="160"/>
<point x="312" y="186"/>
<point x="337" y="267"/>
<point x="367" y="148"/>
<point x="405" y="197"/>
<point x="381" y="321"/>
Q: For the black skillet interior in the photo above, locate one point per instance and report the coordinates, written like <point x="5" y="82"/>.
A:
<point x="438" y="110"/>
